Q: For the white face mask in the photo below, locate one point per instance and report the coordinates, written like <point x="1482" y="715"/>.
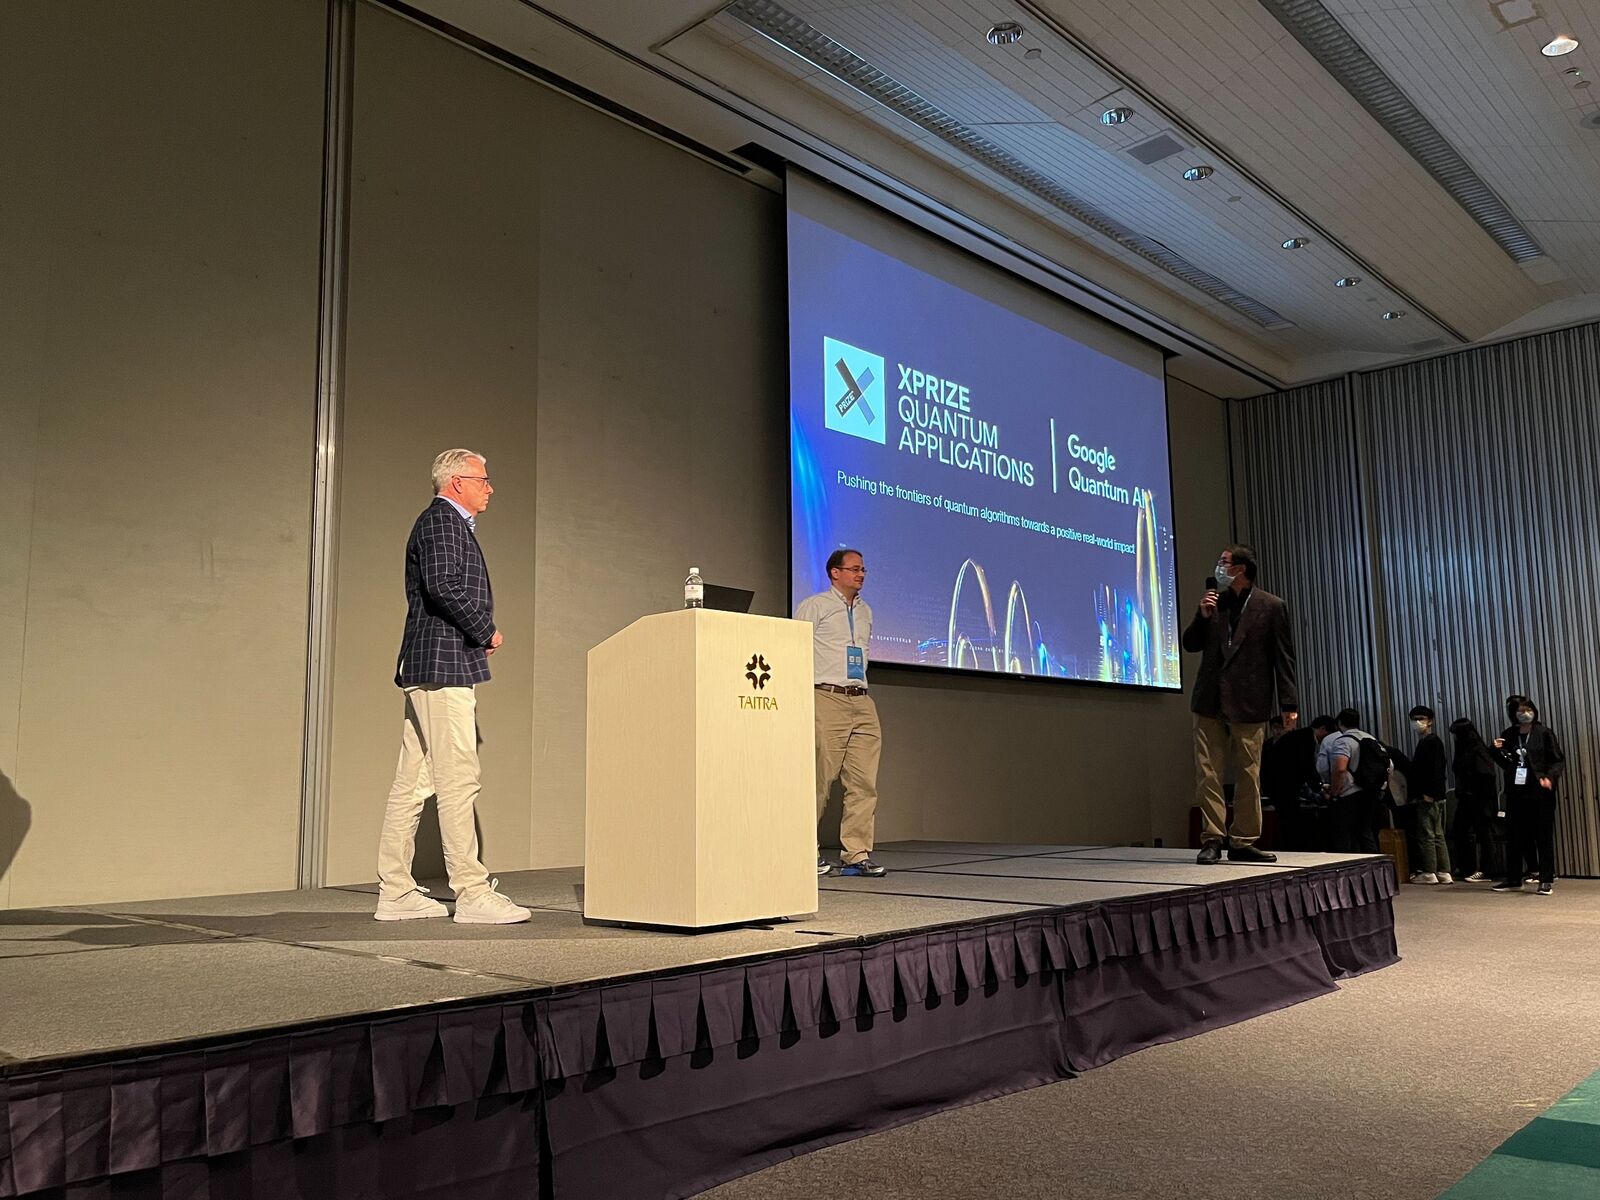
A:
<point x="1422" y="726"/>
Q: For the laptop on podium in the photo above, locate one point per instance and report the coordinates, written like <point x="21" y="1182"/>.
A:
<point x="728" y="599"/>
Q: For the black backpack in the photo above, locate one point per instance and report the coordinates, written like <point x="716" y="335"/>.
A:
<point x="1372" y="765"/>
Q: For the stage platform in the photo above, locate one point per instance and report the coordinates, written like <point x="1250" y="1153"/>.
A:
<point x="285" y="1045"/>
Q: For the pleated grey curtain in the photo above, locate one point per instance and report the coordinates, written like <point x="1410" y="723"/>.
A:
<point x="1471" y="487"/>
<point x="1298" y="500"/>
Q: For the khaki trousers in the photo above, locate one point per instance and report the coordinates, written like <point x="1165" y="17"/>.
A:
<point x="438" y="757"/>
<point x="849" y="741"/>
<point x="1214" y="741"/>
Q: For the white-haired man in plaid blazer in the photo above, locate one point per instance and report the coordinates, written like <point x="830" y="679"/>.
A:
<point x="444" y="654"/>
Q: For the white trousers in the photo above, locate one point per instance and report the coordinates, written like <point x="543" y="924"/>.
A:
<point x="438" y="757"/>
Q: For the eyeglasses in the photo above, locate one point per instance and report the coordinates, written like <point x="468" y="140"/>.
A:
<point x="484" y="478"/>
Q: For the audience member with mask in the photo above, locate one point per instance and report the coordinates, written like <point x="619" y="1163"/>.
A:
<point x="1532" y="763"/>
<point x="1427" y="780"/>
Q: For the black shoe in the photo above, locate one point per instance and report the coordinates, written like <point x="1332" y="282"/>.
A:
<point x="1507" y="885"/>
<point x="1250" y="854"/>
<point x="1210" y="853"/>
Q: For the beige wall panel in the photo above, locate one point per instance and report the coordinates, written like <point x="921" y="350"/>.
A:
<point x="171" y="195"/>
<point x="440" y="352"/>
<point x="1198" y="424"/>
<point x="23" y="266"/>
<point x="663" y="391"/>
<point x="999" y="760"/>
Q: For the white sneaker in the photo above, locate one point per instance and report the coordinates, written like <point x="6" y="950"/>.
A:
<point x="490" y="908"/>
<point x="1424" y="877"/>
<point x="1477" y="877"/>
<point x="1445" y="877"/>
<point x="413" y="906"/>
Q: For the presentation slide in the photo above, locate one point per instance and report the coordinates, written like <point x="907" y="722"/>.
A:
<point x="1007" y="485"/>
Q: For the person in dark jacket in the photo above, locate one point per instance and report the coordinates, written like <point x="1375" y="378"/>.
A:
<point x="1242" y="635"/>
<point x="1480" y="836"/>
<point x="1427" y="793"/>
<point x="1288" y="769"/>
<point x="1531" y="763"/>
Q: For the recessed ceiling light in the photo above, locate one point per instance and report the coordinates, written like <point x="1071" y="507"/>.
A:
<point x="1584" y="83"/>
<point x="1195" y="174"/>
<point x="1394" y="314"/>
<point x="1234" y="199"/>
<point x="1561" y="44"/>
<point x="1115" y="116"/>
<point x="1294" y="243"/>
<point x="1573" y="71"/>
<point x="1007" y="33"/>
<point x="1034" y="53"/>
<point x="1347" y="281"/>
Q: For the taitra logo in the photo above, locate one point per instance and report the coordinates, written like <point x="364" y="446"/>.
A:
<point x="852" y="391"/>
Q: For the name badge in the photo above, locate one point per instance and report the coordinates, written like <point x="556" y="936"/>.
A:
<point x="855" y="663"/>
<point x="1521" y="778"/>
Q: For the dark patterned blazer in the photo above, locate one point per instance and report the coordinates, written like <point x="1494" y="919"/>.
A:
<point x="1248" y="678"/>
<point x="449" y="605"/>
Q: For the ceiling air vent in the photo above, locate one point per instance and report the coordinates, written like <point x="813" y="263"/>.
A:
<point x="1163" y="145"/>
<point x="1327" y="41"/>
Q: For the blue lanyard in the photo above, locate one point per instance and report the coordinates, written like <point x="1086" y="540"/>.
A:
<point x="850" y="612"/>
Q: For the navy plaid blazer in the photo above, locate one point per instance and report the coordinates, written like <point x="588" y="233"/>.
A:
<point x="449" y="605"/>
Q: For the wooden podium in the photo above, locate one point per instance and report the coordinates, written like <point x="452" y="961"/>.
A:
<point x="701" y="771"/>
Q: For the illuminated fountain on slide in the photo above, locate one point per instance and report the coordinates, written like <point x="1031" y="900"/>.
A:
<point x="1002" y="654"/>
<point x="1137" y="631"/>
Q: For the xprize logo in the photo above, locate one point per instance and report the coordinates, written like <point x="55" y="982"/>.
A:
<point x="852" y="389"/>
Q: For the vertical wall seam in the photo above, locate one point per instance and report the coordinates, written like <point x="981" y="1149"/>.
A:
<point x="22" y="652"/>
<point x="316" y="747"/>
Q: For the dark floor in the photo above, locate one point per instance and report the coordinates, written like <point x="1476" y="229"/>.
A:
<point x="118" y="976"/>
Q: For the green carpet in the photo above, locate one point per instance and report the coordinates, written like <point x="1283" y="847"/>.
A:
<point x="1551" y="1158"/>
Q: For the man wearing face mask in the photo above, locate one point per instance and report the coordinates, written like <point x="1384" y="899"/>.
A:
<point x="1427" y="782"/>
<point x="1246" y="675"/>
<point x="1533" y="763"/>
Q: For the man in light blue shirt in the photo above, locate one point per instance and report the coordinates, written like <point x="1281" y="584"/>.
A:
<point x="1354" y="808"/>
<point x="849" y="738"/>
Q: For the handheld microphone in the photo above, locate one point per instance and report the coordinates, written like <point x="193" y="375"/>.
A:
<point x="1211" y="583"/>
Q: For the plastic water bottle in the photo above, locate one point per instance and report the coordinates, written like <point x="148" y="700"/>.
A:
<point x="694" y="590"/>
